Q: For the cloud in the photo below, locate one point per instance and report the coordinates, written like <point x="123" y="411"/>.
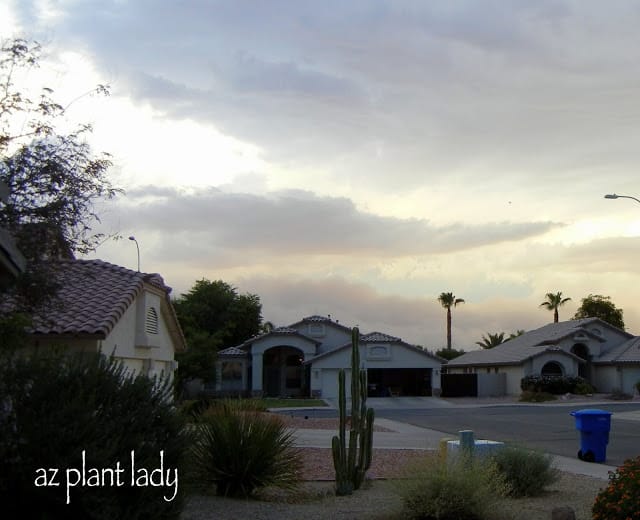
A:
<point x="435" y="93"/>
<point x="298" y="223"/>
<point x="615" y="254"/>
<point x="416" y="320"/>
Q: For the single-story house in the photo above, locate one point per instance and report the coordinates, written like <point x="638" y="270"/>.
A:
<point x="303" y="359"/>
<point x="607" y="357"/>
<point x="102" y="307"/>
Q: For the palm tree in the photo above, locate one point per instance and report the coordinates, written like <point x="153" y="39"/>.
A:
<point x="553" y="302"/>
<point x="515" y="334"/>
<point x="491" y="340"/>
<point x="448" y="300"/>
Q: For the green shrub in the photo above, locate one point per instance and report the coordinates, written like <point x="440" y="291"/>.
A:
<point x="239" y="451"/>
<point x="536" y="397"/>
<point x="52" y="408"/>
<point x="619" y="500"/>
<point x="460" y="489"/>
<point x="583" y="388"/>
<point x="553" y="384"/>
<point x="526" y="472"/>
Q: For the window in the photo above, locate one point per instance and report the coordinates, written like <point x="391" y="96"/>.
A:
<point x="151" y="321"/>
<point x="552" y="369"/>
<point x="231" y="371"/>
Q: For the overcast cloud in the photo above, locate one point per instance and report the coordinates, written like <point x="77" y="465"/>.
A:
<point x="358" y="158"/>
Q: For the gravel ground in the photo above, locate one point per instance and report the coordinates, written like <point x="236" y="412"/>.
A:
<point x="378" y="499"/>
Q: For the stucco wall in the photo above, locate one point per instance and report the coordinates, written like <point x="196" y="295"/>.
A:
<point x="121" y="341"/>
<point x="630" y="376"/>
<point x="127" y="333"/>
<point x="333" y="337"/>
<point x="492" y="385"/>
<point x="398" y="357"/>
<point x="284" y="340"/>
<point x="328" y="383"/>
<point x="324" y="372"/>
<point x="606" y="378"/>
<point x="514" y="375"/>
<point x="569" y="365"/>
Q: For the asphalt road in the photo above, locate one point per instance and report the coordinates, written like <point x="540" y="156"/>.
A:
<point x="549" y="428"/>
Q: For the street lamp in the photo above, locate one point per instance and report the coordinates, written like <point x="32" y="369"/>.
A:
<point x="138" y="249"/>
<point x="615" y="196"/>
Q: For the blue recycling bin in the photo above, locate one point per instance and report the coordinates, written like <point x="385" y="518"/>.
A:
<point x="594" y="427"/>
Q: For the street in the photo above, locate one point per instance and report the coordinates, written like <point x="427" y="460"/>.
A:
<point x="548" y="428"/>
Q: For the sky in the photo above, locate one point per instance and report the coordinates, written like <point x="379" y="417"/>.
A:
<point x="356" y="159"/>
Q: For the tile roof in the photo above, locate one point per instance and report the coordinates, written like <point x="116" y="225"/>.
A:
<point x="278" y="331"/>
<point x="316" y="317"/>
<point x="628" y="352"/>
<point x="233" y="352"/>
<point x="321" y="319"/>
<point x="284" y="330"/>
<point x="529" y="344"/>
<point x="393" y="339"/>
<point x="93" y="296"/>
<point x="378" y="336"/>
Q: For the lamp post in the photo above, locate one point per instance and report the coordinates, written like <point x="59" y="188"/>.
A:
<point x="616" y="196"/>
<point x="138" y="249"/>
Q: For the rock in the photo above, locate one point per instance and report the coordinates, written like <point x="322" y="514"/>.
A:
<point x="563" y="513"/>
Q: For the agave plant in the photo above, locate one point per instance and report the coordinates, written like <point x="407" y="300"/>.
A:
<point x="239" y="451"/>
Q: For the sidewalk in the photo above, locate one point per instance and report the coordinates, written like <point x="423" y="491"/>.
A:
<point x="407" y="436"/>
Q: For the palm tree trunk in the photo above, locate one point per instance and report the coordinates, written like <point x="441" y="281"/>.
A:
<point x="555" y="315"/>
<point x="448" y="328"/>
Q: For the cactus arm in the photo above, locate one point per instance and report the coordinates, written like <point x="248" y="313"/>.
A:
<point x="351" y="463"/>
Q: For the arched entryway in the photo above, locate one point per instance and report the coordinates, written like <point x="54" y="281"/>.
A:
<point x="552" y="369"/>
<point x="582" y="351"/>
<point x="284" y="375"/>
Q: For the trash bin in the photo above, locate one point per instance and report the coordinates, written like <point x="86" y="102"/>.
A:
<point x="594" y="426"/>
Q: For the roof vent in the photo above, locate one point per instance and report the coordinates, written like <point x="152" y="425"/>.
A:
<point x="151" y="321"/>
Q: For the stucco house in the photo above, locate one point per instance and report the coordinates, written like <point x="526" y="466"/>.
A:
<point x="102" y="307"/>
<point x="609" y="358"/>
<point x="303" y="359"/>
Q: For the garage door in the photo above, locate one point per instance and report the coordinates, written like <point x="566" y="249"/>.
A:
<point x="399" y="381"/>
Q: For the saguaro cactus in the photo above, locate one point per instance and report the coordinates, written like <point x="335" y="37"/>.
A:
<point x="352" y="462"/>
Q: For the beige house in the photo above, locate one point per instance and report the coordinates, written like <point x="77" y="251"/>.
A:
<point x="607" y="357"/>
<point x="102" y="307"/>
<point x="304" y="358"/>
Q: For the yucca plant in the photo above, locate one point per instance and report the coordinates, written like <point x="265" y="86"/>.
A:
<point x="239" y="451"/>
